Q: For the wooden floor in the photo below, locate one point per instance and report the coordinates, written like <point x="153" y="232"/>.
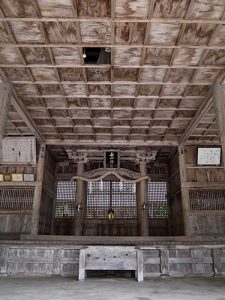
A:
<point x="111" y="288"/>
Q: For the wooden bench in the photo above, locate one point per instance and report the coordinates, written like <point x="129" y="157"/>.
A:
<point x="111" y="258"/>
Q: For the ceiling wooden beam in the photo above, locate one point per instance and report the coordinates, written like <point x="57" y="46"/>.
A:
<point x="124" y="143"/>
<point x="116" y="20"/>
<point x="18" y="105"/>
<point x="99" y="45"/>
<point x="206" y="105"/>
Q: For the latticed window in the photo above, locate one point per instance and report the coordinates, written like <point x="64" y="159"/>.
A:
<point x="207" y="200"/>
<point x="103" y="196"/>
<point x="65" y="201"/>
<point x="157" y="200"/>
<point x="124" y="200"/>
<point x="18" y="199"/>
<point x="98" y="200"/>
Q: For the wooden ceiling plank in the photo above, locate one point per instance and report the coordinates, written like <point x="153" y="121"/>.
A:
<point x="84" y="69"/>
<point x="26" y="118"/>
<point x="112" y="25"/>
<point x="51" y="56"/>
<point x="179" y="38"/>
<point x="18" y="105"/>
<point x="206" y="105"/>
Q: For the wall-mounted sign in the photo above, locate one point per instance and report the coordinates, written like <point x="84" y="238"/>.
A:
<point x="18" y="150"/>
<point x="111" y="159"/>
<point x="209" y="156"/>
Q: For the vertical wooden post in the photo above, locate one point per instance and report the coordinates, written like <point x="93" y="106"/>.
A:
<point x="79" y="212"/>
<point x="184" y="191"/>
<point x="142" y="198"/>
<point x="139" y="273"/>
<point x="54" y="209"/>
<point x="164" y="262"/>
<point x="82" y="272"/>
<point x="38" y="190"/>
<point x="219" y="101"/>
<point x="3" y="113"/>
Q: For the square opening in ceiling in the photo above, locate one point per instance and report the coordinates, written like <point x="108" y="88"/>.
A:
<point x="97" y="56"/>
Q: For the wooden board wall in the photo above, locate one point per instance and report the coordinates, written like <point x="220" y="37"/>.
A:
<point x="212" y="179"/>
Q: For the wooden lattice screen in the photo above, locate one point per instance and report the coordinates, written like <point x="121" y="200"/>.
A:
<point x="124" y="201"/>
<point x="207" y="200"/>
<point x="16" y="199"/>
<point x="98" y="200"/>
<point x="121" y="199"/>
<point x="157" y="200"/>
<point x="65" y="201"/>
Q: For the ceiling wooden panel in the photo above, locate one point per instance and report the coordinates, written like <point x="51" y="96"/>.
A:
<point x="162" y="58"/>
<point x="96" y="8"/>
<point x="18" y="8"/>
<point x="55" y="8"/>
<point x="163" y="34"/>
<point x="170" y="8"/>
<point x="131" y="9"/>
<point x="61" y="32"/>
<point x="129" y="33"/>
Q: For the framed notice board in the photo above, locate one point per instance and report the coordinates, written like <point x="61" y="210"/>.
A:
<point x="209" y="156"/>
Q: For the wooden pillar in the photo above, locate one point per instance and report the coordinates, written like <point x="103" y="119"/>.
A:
<point x="184" y="192"/>
<point x="142" y="201"/>
<point x="79" y="212"/>
<point x="219" y="101"/>
<point x="38" y="191"/>
<point x="54" y="209"/>
<point x="3" y="113"/>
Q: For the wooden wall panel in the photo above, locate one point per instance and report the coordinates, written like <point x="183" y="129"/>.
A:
<point x="190" y="261"/>
<point x="208" y="223"/>
<point x="167" y="260"/>
<point x="15" y="223"/>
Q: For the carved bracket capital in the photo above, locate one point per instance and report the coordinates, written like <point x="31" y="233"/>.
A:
<point x="146" y="157"/>
<point x="77" y="157"/>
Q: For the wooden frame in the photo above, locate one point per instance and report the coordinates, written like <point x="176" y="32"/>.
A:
<point x="207" y="160"/>
<point x="106" y="158"/>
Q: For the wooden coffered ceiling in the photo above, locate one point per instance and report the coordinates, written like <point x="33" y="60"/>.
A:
<point x="165" y="56"/>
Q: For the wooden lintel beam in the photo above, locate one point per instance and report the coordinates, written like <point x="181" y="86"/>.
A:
<point x="87" y="143"/>
<point x="195" y="121"/>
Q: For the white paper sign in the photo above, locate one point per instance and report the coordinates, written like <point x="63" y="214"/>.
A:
<point x="209" y="156"/>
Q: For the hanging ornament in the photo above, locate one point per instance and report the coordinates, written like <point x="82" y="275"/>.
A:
<point x="101" y="185"/>
<point x="90" y="187"/>
<point x="121" y="185"/>
<point x="134" y="188"/>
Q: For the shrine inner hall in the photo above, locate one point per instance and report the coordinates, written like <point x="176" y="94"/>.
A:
<point x="112" y="138"/>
